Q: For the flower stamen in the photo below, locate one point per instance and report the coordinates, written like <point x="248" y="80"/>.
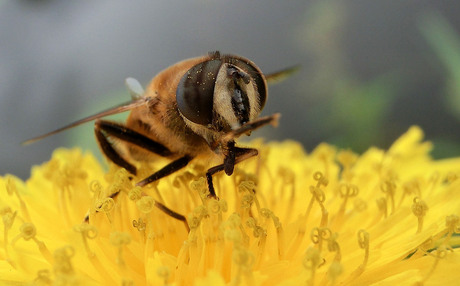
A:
<point x="28" y="232"/>
<point x="382" y="206"/>
<point x="363" y="242"/>
<point x="200" y="186"/>
<point x="135" y="193"/>
<point x="346" y="191"/>
<point x="319" y="196"/>
<point x="311" y="262"/>
<point x="334" y="271"/>
<point x="259" y="233"/>
<point x="120" y="239"/>
<point x="453" y="226"/>
<point x="438" y="254"/>
<point x="164" y="273"/>
<point x="288" y="179"/>
<point x="8" y="219"/>
<point x="145" y="204"/>
<point x="320" y="234"/>
<point x="87" y="232"/>
<point x="244" y="261"/>
<point x="419" y="209"/>
<point x="279" y="229"/>
<point x="13" y="190"/>
<point x="105" y="205"/>
<point x="62" y="265"/>
<point x="140" y="225"/>
<point x="347" y="159"/>
<point x="333" y="246"/>
<point x="388" y="187"/>
<point x="43" y="277"/>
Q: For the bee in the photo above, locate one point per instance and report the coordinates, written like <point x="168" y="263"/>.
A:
<point x="194" y="108"/>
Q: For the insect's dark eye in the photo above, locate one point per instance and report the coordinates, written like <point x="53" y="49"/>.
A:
<point x="256" y="76"/>
<point x="195" y="92"/>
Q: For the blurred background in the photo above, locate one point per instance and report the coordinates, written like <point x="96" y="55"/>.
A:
<point x="369" y="69"/>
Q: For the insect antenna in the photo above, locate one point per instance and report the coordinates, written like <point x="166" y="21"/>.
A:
<point x="281" y="75"/>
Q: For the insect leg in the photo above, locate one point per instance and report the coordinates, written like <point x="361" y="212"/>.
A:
<point x="111" y="153"/>
<point x="252" y="125"/>
<point x="105" y="129"/>
<point x="166" y="170"/>
<point x="239" y="155"/>
<point x="163" y="172"/>
<point x="160" y="206"/>
<point x="172" y="213"/>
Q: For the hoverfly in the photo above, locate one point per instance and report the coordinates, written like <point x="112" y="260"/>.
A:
<point x="197" y="106"/>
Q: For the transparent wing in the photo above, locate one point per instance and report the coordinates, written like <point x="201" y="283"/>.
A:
<point x="114" y="110"/>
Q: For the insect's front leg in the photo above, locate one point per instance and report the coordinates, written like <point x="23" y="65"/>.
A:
<point x="235" y="155"/>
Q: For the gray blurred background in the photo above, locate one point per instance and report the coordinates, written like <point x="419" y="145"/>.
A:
<point x="370" y="69"/>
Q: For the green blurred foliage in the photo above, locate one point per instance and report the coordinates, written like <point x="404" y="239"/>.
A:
<point x="352" y="111"/>
<point x="445" y="43"/>
<point x="358" y="110"/>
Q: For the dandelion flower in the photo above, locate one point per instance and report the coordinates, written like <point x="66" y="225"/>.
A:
<point x="284" y="218"/>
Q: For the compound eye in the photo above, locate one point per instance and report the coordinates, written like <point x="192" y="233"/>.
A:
<point x="195" y="92"/>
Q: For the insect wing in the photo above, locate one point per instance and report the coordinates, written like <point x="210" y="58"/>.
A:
<point x="111" y="111"/>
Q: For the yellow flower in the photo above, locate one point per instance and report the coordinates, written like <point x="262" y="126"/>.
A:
<point x="286" y="218"/>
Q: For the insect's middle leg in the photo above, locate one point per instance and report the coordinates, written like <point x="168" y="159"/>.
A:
<point x="160" y="206"/>
<point x="172" y="167"/>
